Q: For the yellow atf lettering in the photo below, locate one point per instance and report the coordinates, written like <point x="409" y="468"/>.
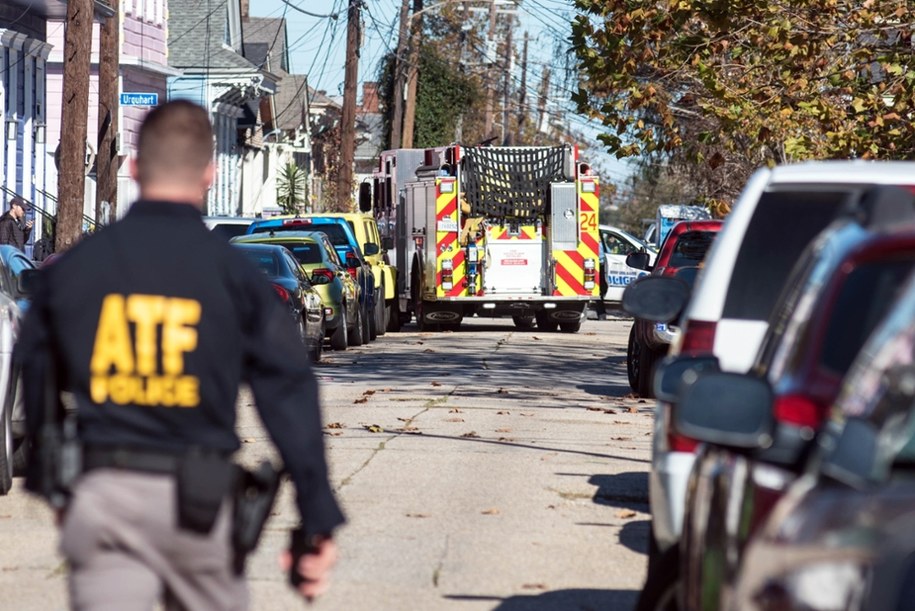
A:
<point x="146" y="312"/>
<point x="178" y="336"/>
<point x="112" y="339"/>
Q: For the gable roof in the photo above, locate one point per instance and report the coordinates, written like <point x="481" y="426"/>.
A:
<point x="265" y="38"/>
<point x="196" y="31"/>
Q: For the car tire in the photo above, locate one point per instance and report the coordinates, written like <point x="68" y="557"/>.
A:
<point x="355" y="332"/>
<point x="302" y="330"/>
<point x="570" y="327"/>
<point x="381" y="321"/>
<point x="647" y="360"/>
<point x="544" y="323"/>
<point x="370" y="320"/>
<point x="339" y="339"/>
<point x="661" y="589"/>
<point x="6" y="448"/>
<point x="524" y="321"/>
<point x="632" y="360"/>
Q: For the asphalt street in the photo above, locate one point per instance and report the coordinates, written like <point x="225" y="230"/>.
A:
<point x="487" y="469"/>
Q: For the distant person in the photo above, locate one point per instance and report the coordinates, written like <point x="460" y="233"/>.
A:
<point x="169" y="320"/>
<point x="14" y="229"/>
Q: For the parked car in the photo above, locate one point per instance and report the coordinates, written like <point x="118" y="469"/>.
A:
<point x="12" y="263"/>
<point x="778" y="213"/>
<point x="228" y="226"/>
<point x="686" y="245"/>
<point x="615" y="274"/>
<point x="319" y="261"/>
<point x="374" y="249"/>
<point x="840" y="289"/>
<point x="820" y="545"/>
<point x="291" y="284"/>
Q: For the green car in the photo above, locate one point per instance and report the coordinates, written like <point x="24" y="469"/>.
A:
<point x="336" y="286"/>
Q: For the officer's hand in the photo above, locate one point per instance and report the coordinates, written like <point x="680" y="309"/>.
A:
<point x="28" y="224"/>
<point x="314" y="568"/>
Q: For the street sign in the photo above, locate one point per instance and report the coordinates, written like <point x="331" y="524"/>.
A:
<point x="139" y="99"/>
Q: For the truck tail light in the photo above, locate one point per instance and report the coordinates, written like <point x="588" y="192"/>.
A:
<point x="799" y="410"/>
<point x="283" y="293"/>
<point x="679" y="443"/>
<point x="447" y="274"/>
<point x="590" y="274"/>
<point x="698" y="337"/>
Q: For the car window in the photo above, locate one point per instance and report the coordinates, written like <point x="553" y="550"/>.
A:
<point x="304" y="252"/>
<point x="690" y="248"/>
<point x="616" y="245"/>
<point x="783" y="223"/>
<point x="229" y="230"/>
<point x="334" y="231"/>
<point x="263" y="260"/>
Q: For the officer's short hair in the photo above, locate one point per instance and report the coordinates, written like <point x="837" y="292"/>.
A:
<point x="175" y="142"/>
<point x="17" y="201"/>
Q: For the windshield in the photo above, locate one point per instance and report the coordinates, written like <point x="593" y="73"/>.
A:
<point x="690" y="248"/>
<point x="304" y="252"/>
<point x="264" y="261"/>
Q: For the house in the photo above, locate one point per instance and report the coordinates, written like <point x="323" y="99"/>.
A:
<point x="205" y="42"/>
<point x="143" y="69"/>
<point x="25" y="49"/>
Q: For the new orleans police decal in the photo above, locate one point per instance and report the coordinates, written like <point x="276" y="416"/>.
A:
<point x="146" y="367"/>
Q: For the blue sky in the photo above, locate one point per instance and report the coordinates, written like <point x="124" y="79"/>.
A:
<point x="317" y="47"/>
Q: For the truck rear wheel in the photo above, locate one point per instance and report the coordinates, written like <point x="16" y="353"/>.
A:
<point x="570" y="327"/>
<point x="544" y="323"/>
<point x="524" y="321"/>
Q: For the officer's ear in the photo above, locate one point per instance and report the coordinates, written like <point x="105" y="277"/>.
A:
<point x="134" y="168"/>
<point x="209" y="175"/>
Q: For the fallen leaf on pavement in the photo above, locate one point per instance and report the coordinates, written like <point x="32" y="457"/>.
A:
<point x="454" y="420"/>
<point x="633" y="410"/>
<point x="551" y="506"/>
<point x="523" y="414"/>
<point x="333" y="433"/>
<point x="507" y="439"/>
<point x="434" y="383"/>
<point x="417" y="515"/>
<point x="491" y="512"/>
<point x="248" y="440"/>
<point x="407" y="429"/>
<point x="470" y="434"/>
<point x="609" y="411"/>
<point x="502" y="391"/>
<point x="625" y="513"/>
<point x="535" y="337"/>
<point x="428" y="350"/>
<point x="533" y="586"/>
<point x="387" y="389"/>
<point x="594" y="409"/>
<point x="621" y="438"/>
<point x="455" y="410"/>
<point x="504" y="430"/>
<point x="369" y="393"/>
<point x="334" y="425"/>
<point x="372" y="428"/>
<point x="404" y="419"/>
<point x="503" y="413"/>
<point x="361" y="400"/>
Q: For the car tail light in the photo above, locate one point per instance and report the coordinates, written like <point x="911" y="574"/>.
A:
<point x="297" y="222"/>
<point x="323" y="271"/>
<point x="798" y="409"/>
<point x="283" y="293"/>
<point x="352" y="265"/>
<point x="679" y="443"/>
<point x="698" y="337"/>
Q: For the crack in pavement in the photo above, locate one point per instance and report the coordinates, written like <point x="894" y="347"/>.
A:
<point x="499" y="344"/>
<point x="437" y="572"/>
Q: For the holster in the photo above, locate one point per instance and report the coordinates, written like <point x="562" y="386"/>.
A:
<point x="204" y="481"/>
<point x="255" y="494"/>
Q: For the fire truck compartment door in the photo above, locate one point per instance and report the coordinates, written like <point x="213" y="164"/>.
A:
<point x="564" y="220"/>
<point x="513" y="267"/>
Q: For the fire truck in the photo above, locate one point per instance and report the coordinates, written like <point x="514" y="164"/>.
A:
<point x="489" y="231"/>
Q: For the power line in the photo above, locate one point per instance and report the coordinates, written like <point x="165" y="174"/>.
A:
<point x="333" y="15"/>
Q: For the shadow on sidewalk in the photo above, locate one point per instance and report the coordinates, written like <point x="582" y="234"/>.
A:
<point x="560" y="600"/>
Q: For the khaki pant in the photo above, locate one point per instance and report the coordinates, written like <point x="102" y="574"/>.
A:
<point x="125" y="551"/>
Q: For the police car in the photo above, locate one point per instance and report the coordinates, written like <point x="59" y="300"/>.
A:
<point x="616" y="244"/>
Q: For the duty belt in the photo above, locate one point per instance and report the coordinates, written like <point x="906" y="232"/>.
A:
<point x="99" y="457"/>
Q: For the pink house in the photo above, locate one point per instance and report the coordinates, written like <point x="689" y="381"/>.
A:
<point x="144" y="69"/>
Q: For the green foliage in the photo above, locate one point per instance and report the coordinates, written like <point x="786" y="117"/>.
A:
<point x="724" y="86"/>
<point x="290" y="189"/>
<point x="443" y="94"/>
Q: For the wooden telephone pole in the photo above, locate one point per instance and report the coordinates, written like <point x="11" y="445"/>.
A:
<point x="488" y="117"/>
<point x="409" y="119"/>
<point x="71" y="178"/>
<point x="106" y="191"/>
<point x="400" y="76"/>
<point x="348" y="119"/>
<point x="522" y="98"/>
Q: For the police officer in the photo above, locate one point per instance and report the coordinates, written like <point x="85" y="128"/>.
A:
<point x="150" y="325"/>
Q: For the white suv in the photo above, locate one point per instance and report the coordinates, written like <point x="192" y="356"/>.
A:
<point x="778" y="213"/>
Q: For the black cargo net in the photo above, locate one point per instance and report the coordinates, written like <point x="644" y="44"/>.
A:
<point x="510" y="182"/>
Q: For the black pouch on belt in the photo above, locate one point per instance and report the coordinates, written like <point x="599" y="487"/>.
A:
<point x="204" y="482"/>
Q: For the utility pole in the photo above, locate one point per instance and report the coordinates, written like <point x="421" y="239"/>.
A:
<point x="522" y="98"/>
<point x="348" y="120"/>
<point x="544" y="93"/>
<point x="400" y="76"/>
<point x="409" y="120"/>
<point x="106" y="192"/>
<point x="488" y="117"/>
<point x="71" y="178"/>
<point x="506" y="87"/>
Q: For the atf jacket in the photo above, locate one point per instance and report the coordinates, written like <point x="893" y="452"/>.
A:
<point x="153" y="323"/>
<point x="13" y="232"/>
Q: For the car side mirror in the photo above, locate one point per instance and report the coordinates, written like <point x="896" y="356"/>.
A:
<point x="639" y="260"/>
<point x="850" y="453"/>
<point x="352" y="261"/>
<point x="370" y="249"/>
<point x="26" y="283"/>
<point x="387" y="243"/>
<point x="657" y="298"/>
<point x="674" y="373"/>
<point x="727" y="409"/>
<point x="365" y="197"/>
